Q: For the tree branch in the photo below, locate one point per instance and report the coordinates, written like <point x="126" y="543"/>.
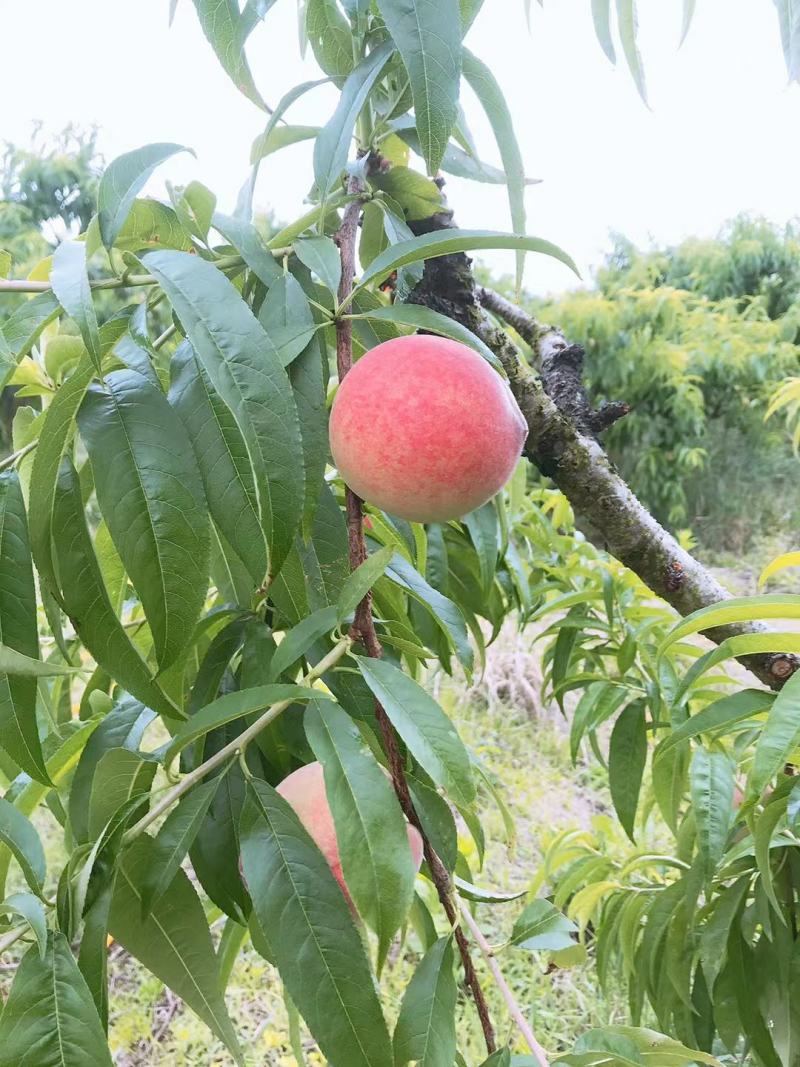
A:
<point x="363" y="628"/>
<point x="570" y="454"/>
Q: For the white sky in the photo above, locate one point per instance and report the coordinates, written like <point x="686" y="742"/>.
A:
<point x="722" y="136"/>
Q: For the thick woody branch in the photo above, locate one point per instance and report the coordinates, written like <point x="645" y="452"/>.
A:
<point x="363" y="628"/>
<point x="568" y="452"/>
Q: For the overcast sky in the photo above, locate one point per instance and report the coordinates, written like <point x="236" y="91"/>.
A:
<point x="722" y="135"/>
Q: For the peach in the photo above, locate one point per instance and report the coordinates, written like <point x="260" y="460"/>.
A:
<point x="304" y="790"/>
<point x="423" y="428"/>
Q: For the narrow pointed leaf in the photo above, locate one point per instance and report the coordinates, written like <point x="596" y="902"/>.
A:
<point x="246" y="371"/>
<point x="49" y="1019"/>
<point x="371" y="832"/>
<point x="71" y="285"/>
<point x="86" y="600"/>
<point x="627" y="755"/>
<point x="19" y="732"/>
<point x="31" y="909"/>
<point x="362" y="579"/>
<point x="316" y="947"/>
<point x="247" y="241"/>
<point x="779" y="738"/>
<point x="445" y="242"/>
<point x="221" y="23"/>
<point x="423" y="318"/>
<point x="120" y="777"/>
<point x="333" y="143"/>
<point x="123" y="178"/>
<point x="426" y="730"/>
<point x="426" y="1026"/>
<point x="428" y="36"/>
<point x="321" y="256"/>
<point x="601" y="15"/>
<point x="173" y="942"/>
<point x="223" y="460"/>
<point x="542" y="927"/>
<point x="19" y="835"/>
<point x="712" y="782"/>
<point x="628" y="25"/>
<point x="151" y="496"/>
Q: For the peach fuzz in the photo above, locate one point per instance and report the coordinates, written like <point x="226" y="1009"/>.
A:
<point x="423" y="428"/>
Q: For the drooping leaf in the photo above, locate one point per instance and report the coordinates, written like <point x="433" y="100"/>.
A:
<point x="712" y="782"/>
<point x="70" y="283"/>
<point x="29" y="907"/>
<point x="627" y="755"/>
<point x="789" y="21"/>
<point x="426" y="730"/>
<point x="371" y="831"/>
<point x="330" y="37"/>
<point x="285" y="102"/>
<point x="445" y="242"/>
<point x="120" y="776"/>
<point x="779" y="737"/>
<point x="247" y="373"/>
<point x="307" y="373"/>
<point x="173" y="941"/>
<point x="173" y="841"/>
<point x="428" y="36"/>
<point x="541" y="926"/>
<point x="19" y="732"/>
<point x="486" y="88"/>
<point x="123" y="178"/>
<point x="321" y="256"/>
<point x="688" y="15"/>
<point x="298" y="901"/>
<point x="628" y="26"/>
<point x="230" y="707"/>
<point x="22" y="328"/>
<point x="426" y="1026"/>
<point x="19" y="835"/>
<point x="151" y="496"/>
<point x="222" y="457"/>
<point x="151" y="224"/>
<point x="286" y="316"/>
<point x="601" y="15"/>
<point x="362" y="580"/>
<point x="86" y="599"/>
<point x="716" y="716"/>
<point x="737" y="609"/>
<point x="424" y="318"/>
<point x="332" y="144"/>
<point x="247" y="241"/>
<point x="221" y="23"/>
<point x="49" y="1017"/>
<point x="301" y="637"/>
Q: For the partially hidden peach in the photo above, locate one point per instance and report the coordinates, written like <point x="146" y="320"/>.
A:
<point x="304" y="790"/>
<point x="423" y="428"/>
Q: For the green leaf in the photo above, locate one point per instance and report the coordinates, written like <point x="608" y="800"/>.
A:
<point x="780" y="563"/>
<point x="330" y="37"/>
<point x="630" y="1045"/>
<point x="428" y="36"/>
<point x="22" y="329"/>
<point x="197" y="204"/>
<point x="716" y="716"/>
<point x="19" y="835"/>
<point x="737" y="609"/>
<point x="627" y="755"/>
<point x="445" y="242"/>
<point x="151" y="496"/>
<point x="307" y="373"/>
<point x="120" y="776"/>
<point x="123" y="178"/>
<point x="220" y="20"/>
<point x="628" y="26"/>
<point x="688" y="15"/>
<point x="779" y="737"/>
<point x="321" y="256"/>
<point x="229" y="708"/>
<point x="789" y="21"/>
<point x="173" y="842"/>
<point x="712" y="782"/>
<point x="31" y="909"/>
<point x="221" y="455"/>
<point x="300" y="639"/>
<point x="601" y="15"/>
<point x="53" y="437"/>
<point x="541" y="926"/>
<point x="484" y="896"/>
<point x="49" y="1017"/>
<point x="362" y="579"/>
<point x="484" y="530"/>
<point x="424" y="318"/>
<point x="333" y="143"/>
<point x="485" y="86"/>
<point x="456" y="161"/>
<point x="371" y="832"/>
<point x="285" y="102"/>
<point x="71" y="285"/>
<point x="19" y="732"/>
<point x="298" y="901"/>
<point x="286" y="316"/>
<point x="86" y="599"/>
<point x="173" y="942"/>
<point x="246" y="371"/>
<point x="426" y="1026"/>
<point x="151" y="224"/>
<point x="426" y="730"/>
<point x="247" y="241"/>
<point x="417" y="196"/>
<point x="20" y="666"/>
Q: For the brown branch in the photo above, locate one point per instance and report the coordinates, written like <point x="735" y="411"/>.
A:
<point x="363" y="628"/>
<point x="604" y="505"/>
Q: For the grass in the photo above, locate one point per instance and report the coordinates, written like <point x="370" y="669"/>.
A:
<point x="524" y="747"/>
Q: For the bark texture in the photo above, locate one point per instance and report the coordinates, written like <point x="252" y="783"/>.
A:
<point x="563" y="430"/>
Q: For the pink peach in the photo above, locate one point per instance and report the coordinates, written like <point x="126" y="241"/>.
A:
<point x="425" y="429"/>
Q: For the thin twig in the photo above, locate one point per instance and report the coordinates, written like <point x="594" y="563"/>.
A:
<point x="364" y="626"/>
<point x="513" y="1007"/>
<point x="9" y="461"/>
<point x="233" y="747"/>
<point x="12" y="937"/>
